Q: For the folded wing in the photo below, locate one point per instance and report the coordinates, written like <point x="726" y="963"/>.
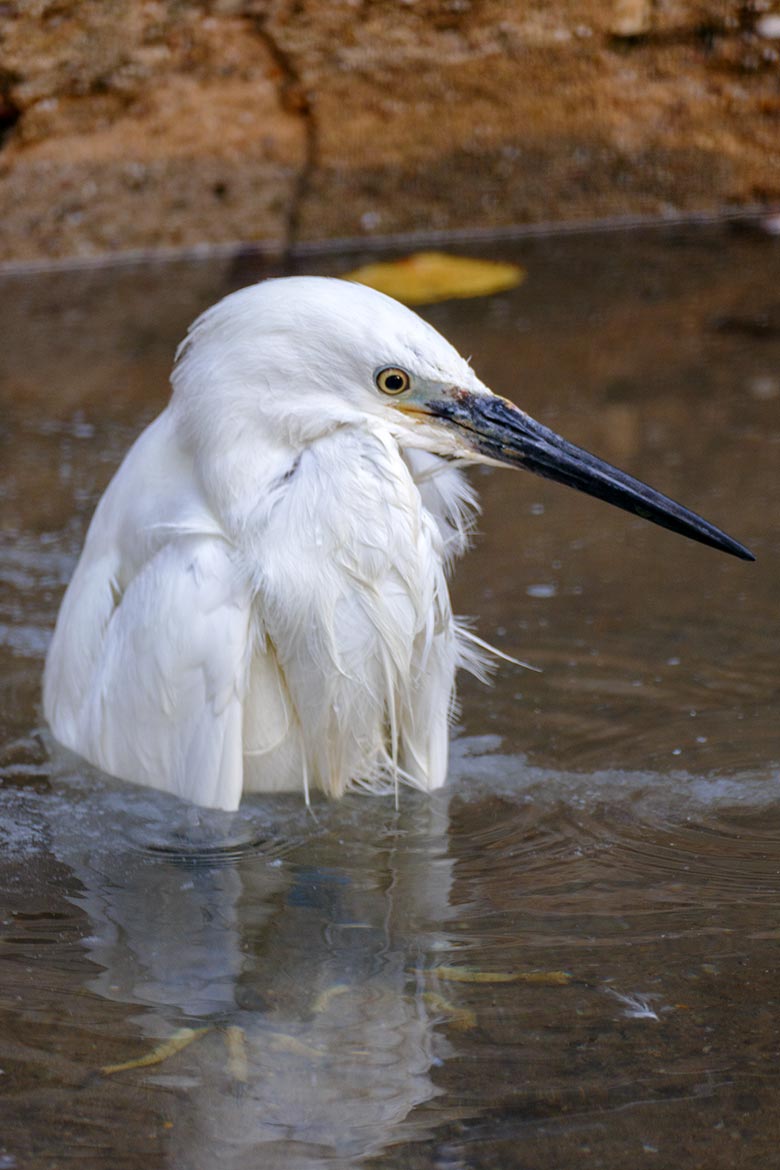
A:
<point x="148" y="682"/>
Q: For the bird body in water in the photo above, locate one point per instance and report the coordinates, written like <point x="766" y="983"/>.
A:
<point x="261" y="604"/>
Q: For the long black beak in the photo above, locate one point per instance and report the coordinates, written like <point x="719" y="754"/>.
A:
<point x="499" y="430"/>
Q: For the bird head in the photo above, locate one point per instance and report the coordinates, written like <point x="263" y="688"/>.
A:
<point x="296" y="358"/>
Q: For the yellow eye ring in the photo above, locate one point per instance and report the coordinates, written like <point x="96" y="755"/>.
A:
<point x="391" y="380"/>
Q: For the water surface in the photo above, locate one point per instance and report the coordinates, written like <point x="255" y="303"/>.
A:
<point x="570" y="955"/>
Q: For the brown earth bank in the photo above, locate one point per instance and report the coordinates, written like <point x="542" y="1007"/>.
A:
<point x="165" y="124"/>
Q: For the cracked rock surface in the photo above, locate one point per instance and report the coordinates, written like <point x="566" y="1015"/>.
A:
<point x="162" y="124"/>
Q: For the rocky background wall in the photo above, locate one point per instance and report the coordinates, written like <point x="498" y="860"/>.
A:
<point x="166" y="124"/>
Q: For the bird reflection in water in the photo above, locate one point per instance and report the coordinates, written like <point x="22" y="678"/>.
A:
<point x="297" y="968"/>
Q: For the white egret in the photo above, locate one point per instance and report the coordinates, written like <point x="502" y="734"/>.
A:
<point x="261" y="603"/>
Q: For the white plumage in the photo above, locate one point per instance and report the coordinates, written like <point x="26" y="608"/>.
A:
<point x="261" y="603"/>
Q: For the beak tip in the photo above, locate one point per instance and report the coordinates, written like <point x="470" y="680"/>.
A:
<point x="728" y="544"/>
<point x="501" y="431"/>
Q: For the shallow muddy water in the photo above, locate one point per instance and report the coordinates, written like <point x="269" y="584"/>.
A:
<point x="570" y="956"/>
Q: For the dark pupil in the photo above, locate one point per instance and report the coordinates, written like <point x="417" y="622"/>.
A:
<point x="394" y="382"/>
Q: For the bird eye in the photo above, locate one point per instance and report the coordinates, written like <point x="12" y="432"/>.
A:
<point x="392" y="380"/>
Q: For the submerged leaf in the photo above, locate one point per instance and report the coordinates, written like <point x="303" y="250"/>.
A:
<point x="470" y="975"/>
<point x="180" y="1039"/>
<point x="238" y="1061"/>
<point x="426" y="277"/>
<point x="284" y="1042"/>
<point x="325" y="998"/>
<point x="546" y="978"/>
<point x="461" y="1018"/>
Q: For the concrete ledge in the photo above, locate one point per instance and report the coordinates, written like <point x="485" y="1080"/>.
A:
<point x="156" y="125"/>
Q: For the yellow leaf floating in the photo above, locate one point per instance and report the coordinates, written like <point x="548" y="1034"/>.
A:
<point x="469" y="975"/>
<point x="426" y="277"/>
